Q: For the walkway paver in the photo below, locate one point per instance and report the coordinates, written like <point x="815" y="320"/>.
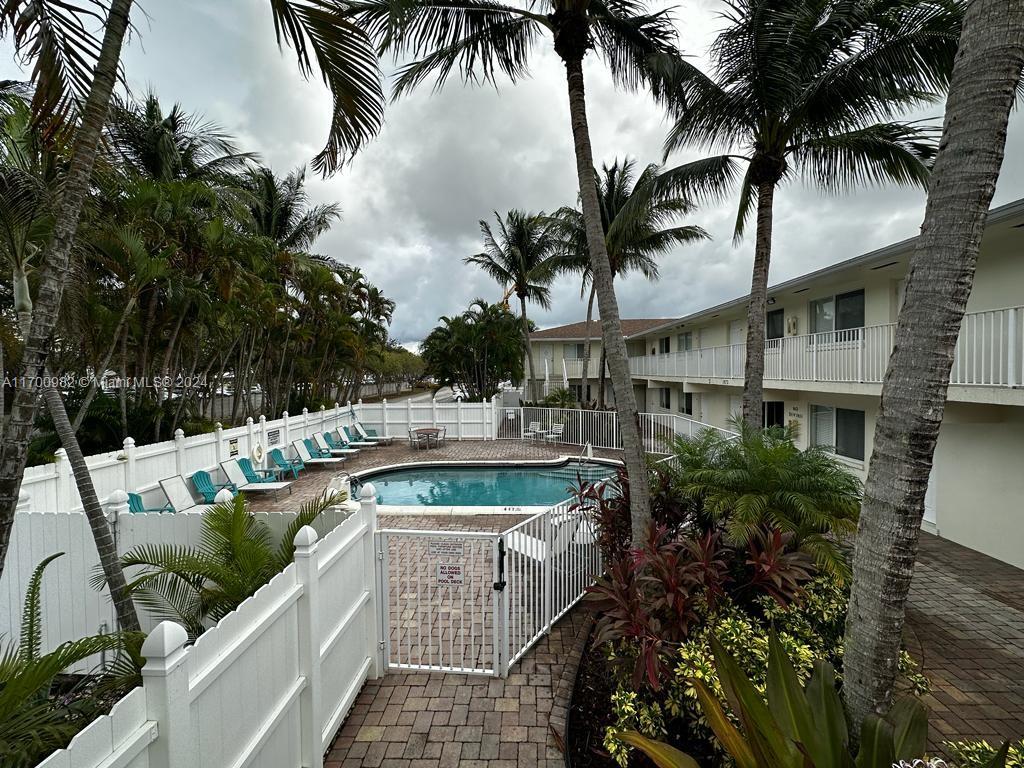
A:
<point x="965" y="622"/>
<point x="435" y="720"/>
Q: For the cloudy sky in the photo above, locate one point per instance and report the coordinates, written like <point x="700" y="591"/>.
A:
<point x="412" y="199"/>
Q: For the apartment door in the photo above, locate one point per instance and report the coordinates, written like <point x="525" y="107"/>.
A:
<point x="736" y="334"/>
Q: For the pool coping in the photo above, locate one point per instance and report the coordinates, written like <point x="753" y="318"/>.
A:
<point x="446" y="511"/>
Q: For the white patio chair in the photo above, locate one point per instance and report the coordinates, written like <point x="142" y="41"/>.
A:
<point x="533" y="430"/>
<point x="417" y="441"/>
<point x="554" y="435"/>
<point x="307" y="458"/>
<point x="180" y="496"/>
<point x="324" y="445"/>
<point x="438" y="439"/>
<point x="237" y="476"/>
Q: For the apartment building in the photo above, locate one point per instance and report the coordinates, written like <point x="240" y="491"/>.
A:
<point x="829" y="336"/>
<point x="558" y="356"/>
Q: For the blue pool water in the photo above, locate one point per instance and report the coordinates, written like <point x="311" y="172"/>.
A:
<point x="491" y="486"/>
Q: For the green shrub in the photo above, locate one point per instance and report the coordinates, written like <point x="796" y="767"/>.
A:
<point x="976" y="754"/>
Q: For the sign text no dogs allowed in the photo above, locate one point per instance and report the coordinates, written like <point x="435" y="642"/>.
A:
<point x="450" y="574"/>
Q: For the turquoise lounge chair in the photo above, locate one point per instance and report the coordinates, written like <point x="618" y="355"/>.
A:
<point x="315" y="450"/>
<point x="136" y="507"/>
<point x="254" y="475"/>
<point x="286" y="465"/>
<point x="351" y="443"/>
<point x="208" y="489"/>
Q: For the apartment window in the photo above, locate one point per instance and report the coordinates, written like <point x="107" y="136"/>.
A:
<point x="686" y="403"/>
<point x="838" y="428"/>
<point x="664" y="345"/>
<point x="572" y="351"/>
<point x="684" y="341"/>
<point x="838" y="313"/>
<point x="775" y="324"/>
<point x="665" y="398"/>
<point x="774" y="413"/>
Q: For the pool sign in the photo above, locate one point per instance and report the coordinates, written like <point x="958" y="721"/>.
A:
<point x="233" y="446"/>
<point x="449" y="574"/>
<point x="445" y="548"/>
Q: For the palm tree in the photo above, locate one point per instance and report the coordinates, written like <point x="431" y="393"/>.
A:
<point x="635" y="217"/>
<point x="981" y="94"/>
<point x="522" y="258"/>
<point x="74" y="74"/>
<point x="280" y="209"/>
<point x="808" y="87"/>
<point x="483" y="39"/>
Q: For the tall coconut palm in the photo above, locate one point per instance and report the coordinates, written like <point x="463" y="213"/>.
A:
<point x="636" y="216"/>
<point x="281" y="211"/>
<point x="987" y="71"/>
<point x="521" y="258"/>
<point x="484" y="39"/>
<point x="809" y="87"/>
<point x="74" y="75"/>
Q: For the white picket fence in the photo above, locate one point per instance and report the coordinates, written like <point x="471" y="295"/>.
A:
<point x="269" y="686"/>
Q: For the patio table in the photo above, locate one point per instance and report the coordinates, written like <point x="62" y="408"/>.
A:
<point x="430" y="433"/>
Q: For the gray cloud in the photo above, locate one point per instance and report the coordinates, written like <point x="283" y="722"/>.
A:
<point x="413" y="197"/>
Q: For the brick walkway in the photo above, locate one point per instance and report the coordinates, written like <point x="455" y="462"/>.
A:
<point x="966" y="628"/>
<point x="437" y="720"/>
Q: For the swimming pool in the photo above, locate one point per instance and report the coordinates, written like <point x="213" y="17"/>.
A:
<point x="517" y="485"/>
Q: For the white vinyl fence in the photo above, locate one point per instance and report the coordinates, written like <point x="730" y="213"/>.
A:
<point x="267" y="687"/>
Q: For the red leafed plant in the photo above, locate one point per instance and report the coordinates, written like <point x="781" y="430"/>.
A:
<point x="652" y="597"/>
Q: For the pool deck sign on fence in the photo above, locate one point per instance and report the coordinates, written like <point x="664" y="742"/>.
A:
<point x="450" y="575"/>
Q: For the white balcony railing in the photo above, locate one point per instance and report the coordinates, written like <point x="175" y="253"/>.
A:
<point x="989" y="352"/>
<point x="573" y="369"/>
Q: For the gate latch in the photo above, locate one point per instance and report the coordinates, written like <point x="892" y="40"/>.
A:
<point x="499" y="585"/>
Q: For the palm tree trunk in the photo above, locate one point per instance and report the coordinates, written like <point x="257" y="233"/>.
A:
<point x="127" y="618"/>
<point x="55" y="269"/>
<point x="753" y="368"/>
<point x="526" y="345"/>
<point x="614" y="345"/>
<point x="102" y="369"/>
<point x="602" y="377"/>
<point x="584" y="379"/>
<point x="985" y="74"/>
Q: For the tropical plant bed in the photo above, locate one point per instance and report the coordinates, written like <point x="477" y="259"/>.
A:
<point x="590" y="712"/>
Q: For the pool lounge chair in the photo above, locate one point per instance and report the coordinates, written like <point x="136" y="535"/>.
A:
<point x="234" y="473"/>
<point x="255" y="474"/>
<point x="208" y="489"/>
<point x="314" y="461"/>
<point x="180" y="496"/>
<point x="137" y="507"/>
<point x="564" y="529"/>
<point x="371" y="435"/>
<point x="325" y="443"/>
<point x="350" y="441"/>
<point x="286" y="465"/>
<point x="315" y="451"/>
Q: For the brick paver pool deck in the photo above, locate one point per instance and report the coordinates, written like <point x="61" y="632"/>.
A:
<point x="965" y="625"/>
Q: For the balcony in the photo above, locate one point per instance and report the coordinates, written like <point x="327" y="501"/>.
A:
<point x="989" y="353"/>
<point x="573" y="369"/>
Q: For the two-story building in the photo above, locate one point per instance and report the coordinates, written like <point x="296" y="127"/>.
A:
<point x="829" y="335"/>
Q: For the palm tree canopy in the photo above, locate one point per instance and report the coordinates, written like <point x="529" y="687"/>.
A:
<point x="522" y="255"/>
<point x="815" y="87"/>
<point x="482" y="39"/>
<point x="56" y="36"/>
<point x="280" y="209"/>
<point x="636" y="216"/>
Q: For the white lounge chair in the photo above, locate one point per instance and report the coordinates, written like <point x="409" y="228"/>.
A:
<point x="324" y="445"/>
<point x="533" y="430"/>
<point x="554" y="435"/>
<point x="307" y="458"/>
<point x="364" y="435"/>
<point x="237" y="476"/>
<point x="180" y="496"/>
<point x="564" y="529"/>
<point x="351" y="442"/>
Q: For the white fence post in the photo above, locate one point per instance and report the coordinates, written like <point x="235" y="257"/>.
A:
<point x="24" y="498"/>
<point x="129" y="462"/>
<point x="263" y="440"/>
<point x="165" y="681"/>
<point x="117" y="505"/>
<point x="307" y="609"/>
<point x="323" y="418"/>
<point x="179" y="451"/>
<point x="384" y="416"/>
<point x="433" y="410"/>
<point x="408" y="412"/>
<point x="305" y="423"/>
<point x="371" y="576"/>
<point x="458" y="419"/>
<point x="1011" y="348"/>
<point x="285" y="442"/>
<point x="63" y="473"/>
<point x="250" y="435"/>
<point x="218" y="431"/>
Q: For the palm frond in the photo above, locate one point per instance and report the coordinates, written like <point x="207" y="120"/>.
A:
<point x="31" y="640"/>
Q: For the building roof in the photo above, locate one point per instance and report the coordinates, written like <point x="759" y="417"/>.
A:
<point x="578" y="331"/>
